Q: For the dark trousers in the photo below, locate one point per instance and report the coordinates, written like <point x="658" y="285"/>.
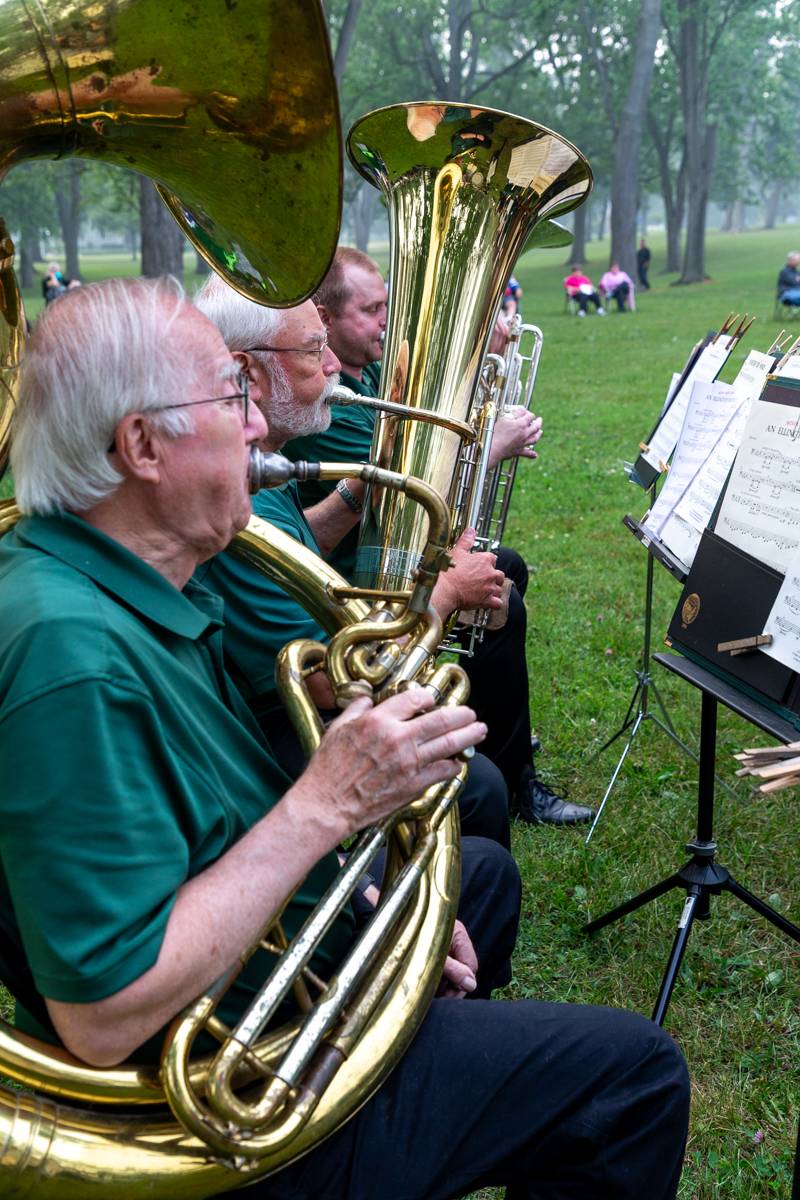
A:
<point x="620" y="293"/>
<point x="483" y="804"/>
<point x="642" y="273"/>
<point x="498" y="676"/>
<point x="552" y="1101"/>
<point x="583" y="299"/>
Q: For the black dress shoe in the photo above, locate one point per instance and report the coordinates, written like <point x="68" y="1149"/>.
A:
<point x="537" y="804"/>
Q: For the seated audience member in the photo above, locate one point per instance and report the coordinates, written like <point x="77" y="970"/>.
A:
<point x="789" y="280"/>
<point x="580" y="288"/>
<point x="617" y="285"/>
<point x="147" y="848"/>
<point x="352" y="304"/>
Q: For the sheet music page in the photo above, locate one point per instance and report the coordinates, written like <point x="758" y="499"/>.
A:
<point x="783" y="621"/>
<point x="665" y="438"/>
<point x="673" y="383"/>
<point x="708" y="412"/>
<point x="760" y="511"/>
<point x="791" y="368"/>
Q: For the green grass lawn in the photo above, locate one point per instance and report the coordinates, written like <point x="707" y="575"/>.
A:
<point x="735" y="1007"/>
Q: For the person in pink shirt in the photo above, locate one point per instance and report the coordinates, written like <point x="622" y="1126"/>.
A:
<point x="580" y="287"/>
<point x="617" y="285"/>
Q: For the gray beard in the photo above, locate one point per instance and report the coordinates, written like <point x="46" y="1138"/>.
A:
<point x="288" y="420"/>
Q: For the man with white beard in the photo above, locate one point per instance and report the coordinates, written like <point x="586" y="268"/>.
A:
<point x="292" y="372"/>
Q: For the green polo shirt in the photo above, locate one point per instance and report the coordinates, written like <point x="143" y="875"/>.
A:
<point x="348" y="439"/>
<point x="128" y="762"/>
<point x="260" y="617"/>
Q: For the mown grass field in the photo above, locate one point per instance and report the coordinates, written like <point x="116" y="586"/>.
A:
<point x="735" y="1007"/>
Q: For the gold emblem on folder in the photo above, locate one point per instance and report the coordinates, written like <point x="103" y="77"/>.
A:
<point x="690" y="609"/>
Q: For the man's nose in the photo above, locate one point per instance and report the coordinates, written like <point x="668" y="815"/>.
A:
<point x="330" y="363"/>
<point x="256" y="427"/>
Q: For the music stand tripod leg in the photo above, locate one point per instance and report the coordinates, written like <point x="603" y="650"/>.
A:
<point x="629" y="906"/>
<point x="688" y="914"/>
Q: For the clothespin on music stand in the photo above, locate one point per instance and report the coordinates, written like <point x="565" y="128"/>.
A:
<point x="789" y="353"/>
<point x="745" y="645"/>
<point x="725" y="327"/>
<point x="780" y="341"/>
<point x="740" y="330"/>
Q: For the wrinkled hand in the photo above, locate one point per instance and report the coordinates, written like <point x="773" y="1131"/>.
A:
<point x="373" y="760"/>
<point x="515" y="434"/>
<point x="497" y="342"/>
<point x="460" y="966"/>
<point x="473" y="581"/>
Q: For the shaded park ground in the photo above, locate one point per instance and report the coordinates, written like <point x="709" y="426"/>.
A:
<point x="735" y="1007"/>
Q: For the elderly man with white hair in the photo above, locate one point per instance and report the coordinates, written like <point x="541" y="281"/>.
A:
<point x="292" y="373"/>
<point x="147" y="835"/>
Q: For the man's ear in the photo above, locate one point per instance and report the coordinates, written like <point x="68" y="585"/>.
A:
<point x="324" y="315"/>
<point x="139" y="448"/>
<point x="242" y="360"/>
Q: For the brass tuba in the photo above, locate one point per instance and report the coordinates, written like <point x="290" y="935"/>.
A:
<point x="231" y="108"/>
<point x="269" y="1095"/>
<point x="466" y="188"/>
<point x="202" y="100"/>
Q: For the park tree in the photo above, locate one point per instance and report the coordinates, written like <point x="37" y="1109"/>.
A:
<point x="26" y="204"/>
<point x="163" y="241"/>
<point x="625" y="110"/>
<point x="699" y="33"/>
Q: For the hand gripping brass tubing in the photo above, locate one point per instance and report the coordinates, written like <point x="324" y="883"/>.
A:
<point x="305" y="1078"/>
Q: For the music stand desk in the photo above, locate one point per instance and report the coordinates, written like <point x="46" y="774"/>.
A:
<point x="702" y="876"/>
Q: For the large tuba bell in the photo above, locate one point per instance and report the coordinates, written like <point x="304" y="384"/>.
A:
<point x="230" y="108"/>
<point x="466" y="190"/>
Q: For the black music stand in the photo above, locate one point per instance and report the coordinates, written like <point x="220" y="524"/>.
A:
<point x="702" y="876"/>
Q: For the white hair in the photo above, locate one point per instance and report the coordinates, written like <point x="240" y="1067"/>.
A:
<point x="242" y="322"/>
<point x="95" y="355"/>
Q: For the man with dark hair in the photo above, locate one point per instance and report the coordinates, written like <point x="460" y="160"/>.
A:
<point x="352" y="304"/>
<point x="643" y="264"/>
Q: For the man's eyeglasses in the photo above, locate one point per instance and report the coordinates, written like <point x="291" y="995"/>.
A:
<point x="317" y="350"/>
<point x="241" y="397"/>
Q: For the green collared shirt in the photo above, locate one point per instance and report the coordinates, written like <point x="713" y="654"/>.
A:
<point x="128" y="762"/>
<point x="260" y="617"/>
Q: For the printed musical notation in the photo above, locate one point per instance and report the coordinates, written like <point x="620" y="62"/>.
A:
<point x="783" y="621"/>
<point x="665" y="437"/>
<point x="759" y="512"/>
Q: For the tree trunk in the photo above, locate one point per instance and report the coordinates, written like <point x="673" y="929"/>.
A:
<point x="26" y="276"/>
<point x="162" y="237"/>
<point x="362" y="209"/>
<point x="771" y="206"/>
<point x="68" y="205"/>
<point x="345" y="39"/>
<point x="201" y="267"/>
<point x="700" y="142"/>
<point x="577" y="253"/>
<point x="644" y="212"/>
<point x="602" y="209"/>
<point x="738" y="216"/>
<point x="628" y="140"/>
<point x="670" y="193"/>
<point x="726" y="224"/>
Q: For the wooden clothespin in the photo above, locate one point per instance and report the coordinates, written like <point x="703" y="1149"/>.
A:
<point x="643" y="446"/>
<point x="792" y="350"/>
<point x="745" y="645"/>
<point x="725" y="327"/>
<point x="780" y="341"/>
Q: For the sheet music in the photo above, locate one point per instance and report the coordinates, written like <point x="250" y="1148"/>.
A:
<point x="673" y="383"/>
<point x="665" y="437"/>
<point x="760" y="512"/>
<point x="791" y="368"/>
<point x="783" y="621"/>
<point x="708" y="412"/>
